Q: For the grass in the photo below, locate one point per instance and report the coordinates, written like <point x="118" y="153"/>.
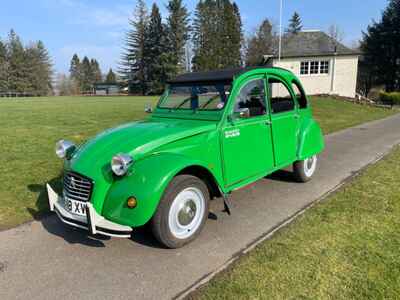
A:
<point x="335" y="115"/>
<point x="30" y="127"/>
<point x="344" y="248"/>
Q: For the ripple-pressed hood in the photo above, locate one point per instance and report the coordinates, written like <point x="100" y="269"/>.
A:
<point x="137" y="139"/>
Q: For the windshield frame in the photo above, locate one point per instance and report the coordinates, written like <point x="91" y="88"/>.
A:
<point x="225" y="83"/>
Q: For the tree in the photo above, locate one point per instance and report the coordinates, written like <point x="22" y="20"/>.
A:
<point x="87" y="75"/>
<point x="177" y="33"/>
<point x="295" y="24"/>
<point x="232" y="35"/>
<point x="25" y="69"/>
<point x="133" y="66"/>
<point x="3" y="67"/>
<point x="17" y="72"/>
<point x="111" y="77"/>
<point x="39" y="69"/>
<point x="96" y="75"/>
<point x="260" y="43"/>
<point x="381" y="48"/>
<point x="239" y="30"/>
<point x="154" y="48"/>
<point x="65" y="86"/>
<point x="217" y="37"/>
<point x="75" y="70"/>
<point x="336" y="34"/>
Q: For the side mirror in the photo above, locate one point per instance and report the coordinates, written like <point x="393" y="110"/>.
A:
<point x="244" y="113"/>
<point x="148" y="109"/>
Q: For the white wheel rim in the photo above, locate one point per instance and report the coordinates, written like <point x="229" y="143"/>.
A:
<point x="185" y="214"/>
<point x="310" y="164"/>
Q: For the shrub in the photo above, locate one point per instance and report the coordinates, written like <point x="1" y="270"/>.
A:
<point x="390" y="98"/>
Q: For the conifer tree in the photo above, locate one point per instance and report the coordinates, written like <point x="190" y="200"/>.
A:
<point x="75" y="70"/>
<point x="25" y="69"/>
<point x="3" y="67"/>
<point x="96" y="75"/>
<point x="17" y="71"/>
<point x="217" y="37"/>
<point x="133" y="66"/>
<point x="205" y="36"/>
<point x="87" y="75"/>
<point x="154" y="48"/>
<point x="381" y="48"/>
<point x="260" y="43"/>
<point x="42" y="70"/>
<point x="295" y="24"/>
<point x="177" y="34"/>
<point x="111" y="77"/>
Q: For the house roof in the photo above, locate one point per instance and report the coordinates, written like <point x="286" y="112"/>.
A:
<point x="312" y="43"/>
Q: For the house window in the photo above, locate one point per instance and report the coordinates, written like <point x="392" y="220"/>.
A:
<point x="324" y="67"/>
<point x="304" y="67"/>
<point x="314" y="67"/>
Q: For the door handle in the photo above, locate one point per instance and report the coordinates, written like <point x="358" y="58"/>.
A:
<point x="268" y="123"/>
<point x="296" y="116"/>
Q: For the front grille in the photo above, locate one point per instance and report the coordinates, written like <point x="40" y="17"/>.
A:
<point x="77" y="187"/>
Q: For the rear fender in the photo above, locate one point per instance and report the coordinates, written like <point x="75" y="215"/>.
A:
<point x="311" y="139"/>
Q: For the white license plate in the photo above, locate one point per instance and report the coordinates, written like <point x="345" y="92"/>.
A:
<point x="75" y="207"/>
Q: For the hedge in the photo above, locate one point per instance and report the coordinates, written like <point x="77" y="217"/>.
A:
<point x="392" y="98"/>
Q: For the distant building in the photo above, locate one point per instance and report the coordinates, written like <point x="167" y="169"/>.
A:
<point x="106" y="89"/>
<point x="323" y="65"/>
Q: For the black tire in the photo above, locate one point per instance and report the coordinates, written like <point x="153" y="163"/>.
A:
<point x="160" y="221"/>
<point x="303" y="170"/>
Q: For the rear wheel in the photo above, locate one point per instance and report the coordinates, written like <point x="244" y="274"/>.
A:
<point x="304" y="169"/>
<point x="182" y="212"/>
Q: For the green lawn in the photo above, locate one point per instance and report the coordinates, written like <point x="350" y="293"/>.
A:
<point x="335" y="115"/>
<point x="344" y="248"/>
<point x="29" y="129"/>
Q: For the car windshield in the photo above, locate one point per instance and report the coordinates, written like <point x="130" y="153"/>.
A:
<point x="211" y="96"/>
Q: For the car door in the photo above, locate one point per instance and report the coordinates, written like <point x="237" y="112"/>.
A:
<point x="285" y="121"/>
<point x="246" y="137"/>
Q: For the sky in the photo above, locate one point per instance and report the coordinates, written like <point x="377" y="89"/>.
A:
<point x="96" y="28"/>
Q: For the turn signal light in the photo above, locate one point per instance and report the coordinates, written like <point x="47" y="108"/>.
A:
<point x="132" y="202"/>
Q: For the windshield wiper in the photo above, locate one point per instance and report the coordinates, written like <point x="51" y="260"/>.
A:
<point x="209" y="102"/>
<point x="182" y="103"/>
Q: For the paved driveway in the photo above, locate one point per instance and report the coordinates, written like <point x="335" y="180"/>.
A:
<point x="46" y="260"/>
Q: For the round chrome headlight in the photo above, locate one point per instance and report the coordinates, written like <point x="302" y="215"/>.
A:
<point x="121" y="163"/>
<point x="64" y="148"/>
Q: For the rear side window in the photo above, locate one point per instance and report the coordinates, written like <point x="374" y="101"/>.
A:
<point x="280" y="97"/>
<point x="300" y="95"/>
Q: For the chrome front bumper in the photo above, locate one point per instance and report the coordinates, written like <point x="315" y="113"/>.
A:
<point x="93" y="222"/>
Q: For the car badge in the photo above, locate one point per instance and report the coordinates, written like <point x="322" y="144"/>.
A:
<point x="73" y="183"/>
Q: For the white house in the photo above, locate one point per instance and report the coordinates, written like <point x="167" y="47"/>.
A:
<point x="323" y="65"/>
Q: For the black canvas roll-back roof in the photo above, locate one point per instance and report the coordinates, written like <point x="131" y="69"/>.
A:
<point x="223" y="76"/>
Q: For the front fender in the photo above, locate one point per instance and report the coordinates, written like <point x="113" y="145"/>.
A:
<point x="311" y="139"/>
<point x="146" y="182"/>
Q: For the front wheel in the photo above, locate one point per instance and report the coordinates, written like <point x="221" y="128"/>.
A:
<point x="304" y="169"/>
<point x="182" y="212"/>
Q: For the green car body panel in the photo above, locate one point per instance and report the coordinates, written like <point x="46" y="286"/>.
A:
<point x="172" y="141"/>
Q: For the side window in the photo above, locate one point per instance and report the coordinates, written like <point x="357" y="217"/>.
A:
<point x="252" y="96"/>
<point x="280" y="97"/>
<point x="300" y="95"/>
